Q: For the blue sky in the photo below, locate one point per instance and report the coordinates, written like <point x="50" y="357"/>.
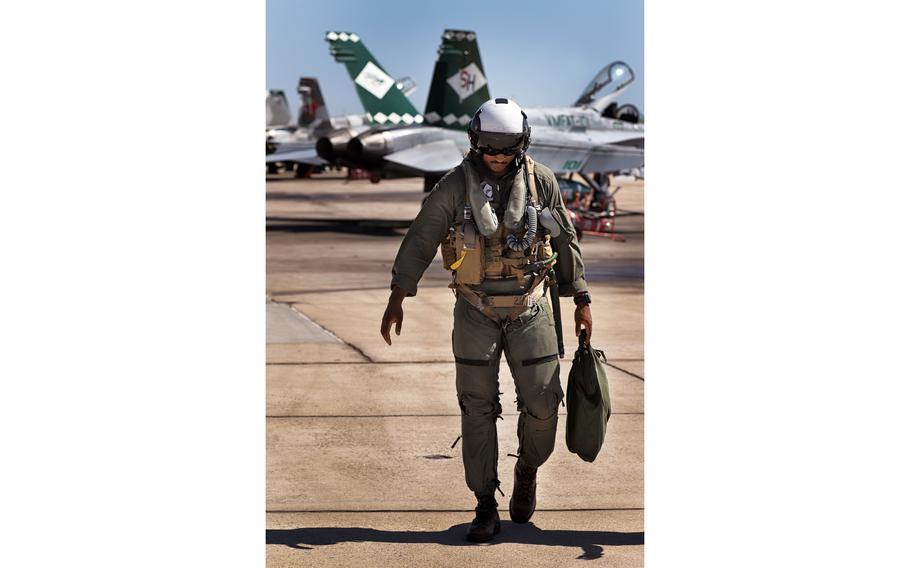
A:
<point x="538" y="53"/>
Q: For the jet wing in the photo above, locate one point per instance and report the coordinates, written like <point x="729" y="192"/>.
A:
<point x="303" y="156"/>
<point x="563" y="156"/>
<point x="614" y="157"/>
<point x="433" y="157"/>
<point x="591" y="151"/>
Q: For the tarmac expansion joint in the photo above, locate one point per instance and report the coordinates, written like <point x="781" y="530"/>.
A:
<point x="323" y="328"/>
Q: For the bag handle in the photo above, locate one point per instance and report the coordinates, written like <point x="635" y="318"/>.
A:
<point x="583" y="338"/>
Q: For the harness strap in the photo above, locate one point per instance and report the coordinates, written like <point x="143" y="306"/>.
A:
<point x="532" y="181"/>
<point x="487" y="304"/>
<point x="475" y="299"/>
<point x="537" y="291"/>
<point x="535" y="198"/>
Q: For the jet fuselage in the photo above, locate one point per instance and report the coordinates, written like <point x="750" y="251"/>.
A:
<point x="564" y="139"/>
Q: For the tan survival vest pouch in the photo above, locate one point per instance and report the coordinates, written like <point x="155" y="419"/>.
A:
<point x="469" y="249"/>
<point x="447" y="247"/>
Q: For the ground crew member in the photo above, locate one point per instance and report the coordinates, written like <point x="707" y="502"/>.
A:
<point x="502" y="225"/>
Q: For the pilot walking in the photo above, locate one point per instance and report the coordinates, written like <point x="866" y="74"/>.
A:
<point x="505" y="235"/>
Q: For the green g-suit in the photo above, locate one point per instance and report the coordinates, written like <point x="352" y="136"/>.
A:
<point x="526" y="334"/>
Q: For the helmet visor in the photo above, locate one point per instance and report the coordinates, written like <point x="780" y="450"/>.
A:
<point x="493" y="143"/>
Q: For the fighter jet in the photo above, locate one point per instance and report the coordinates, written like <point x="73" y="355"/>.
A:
<point x="596" y="135"/>
<point x="411" y="146"/>
<point x="297" y="145"/>
<point x="566" y="139"/>
<point x="385" y="105"/>
<point x="277" y="111"/>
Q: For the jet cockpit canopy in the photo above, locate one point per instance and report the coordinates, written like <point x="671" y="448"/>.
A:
<point x="618" y="75"/>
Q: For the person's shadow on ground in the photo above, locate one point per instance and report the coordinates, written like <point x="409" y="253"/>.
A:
<point x="589" y="541"/>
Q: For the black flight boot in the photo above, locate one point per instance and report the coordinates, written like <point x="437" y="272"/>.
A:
<point x="486" y="522"/>
<point x="524" y="493"/>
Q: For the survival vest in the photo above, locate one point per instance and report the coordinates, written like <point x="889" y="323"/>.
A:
<point x="481" y="246"/>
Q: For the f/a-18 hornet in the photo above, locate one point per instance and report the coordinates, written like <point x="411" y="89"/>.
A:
<point x="379" y="94"/>
<point x="594" y="137"/>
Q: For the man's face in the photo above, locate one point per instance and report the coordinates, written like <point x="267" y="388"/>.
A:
<point x="498" y="163"/>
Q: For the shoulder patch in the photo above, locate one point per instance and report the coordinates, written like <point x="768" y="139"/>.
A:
<point x="487" y="191"/>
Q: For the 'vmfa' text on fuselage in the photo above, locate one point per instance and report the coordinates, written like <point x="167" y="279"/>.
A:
<point x="577" y="119"/>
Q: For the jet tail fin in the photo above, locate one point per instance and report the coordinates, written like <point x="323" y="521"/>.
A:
<point x="459" y="86"/>
<point x="376" y="89"/>
<point x="406" y="85"/>
<point x="277" y="111"/>
<point x="312" y="105"/>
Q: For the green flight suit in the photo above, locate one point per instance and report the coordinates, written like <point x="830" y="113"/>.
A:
<point x="529" y="341"/>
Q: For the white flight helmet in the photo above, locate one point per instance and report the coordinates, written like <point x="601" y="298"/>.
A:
<point x="499" y="127"/>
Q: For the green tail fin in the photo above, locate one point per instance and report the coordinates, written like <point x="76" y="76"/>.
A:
<point x="459" y="86"/>
<point x="385" y="103"/>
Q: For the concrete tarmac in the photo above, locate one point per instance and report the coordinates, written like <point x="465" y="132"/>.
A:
<point x="360" y="464"/>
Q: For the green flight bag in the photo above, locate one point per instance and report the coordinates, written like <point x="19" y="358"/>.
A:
<point x="587" y="401"/>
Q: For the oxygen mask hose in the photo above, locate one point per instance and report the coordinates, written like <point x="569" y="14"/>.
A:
<point x="519" y="245"/>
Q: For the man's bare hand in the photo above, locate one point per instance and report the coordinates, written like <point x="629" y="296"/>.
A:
<point x="393" y="314"/>
<point x="583" y="317"/>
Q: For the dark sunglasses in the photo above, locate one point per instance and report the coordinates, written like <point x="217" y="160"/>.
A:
<point x="491" y="144"/>
<point x="510" y="151"/>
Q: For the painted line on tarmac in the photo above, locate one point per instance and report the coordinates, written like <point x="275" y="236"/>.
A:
<point x="359" y="362"/>
<point x="325" y="329"/>
<point x="317" y="291"/>
<point x="586" y="510"/>
<point x="432" y="361"/>
<point x="625" y="371"/>
<point x="366" y="363"/>
<point x="275" y="416"/>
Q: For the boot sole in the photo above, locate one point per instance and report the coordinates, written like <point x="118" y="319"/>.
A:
<point x="518" y="520"/>
<point x="480" y="538"/>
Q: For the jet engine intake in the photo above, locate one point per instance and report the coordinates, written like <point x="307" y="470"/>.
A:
<point x="369" y="148"/>
<point x="333" y="146"/>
